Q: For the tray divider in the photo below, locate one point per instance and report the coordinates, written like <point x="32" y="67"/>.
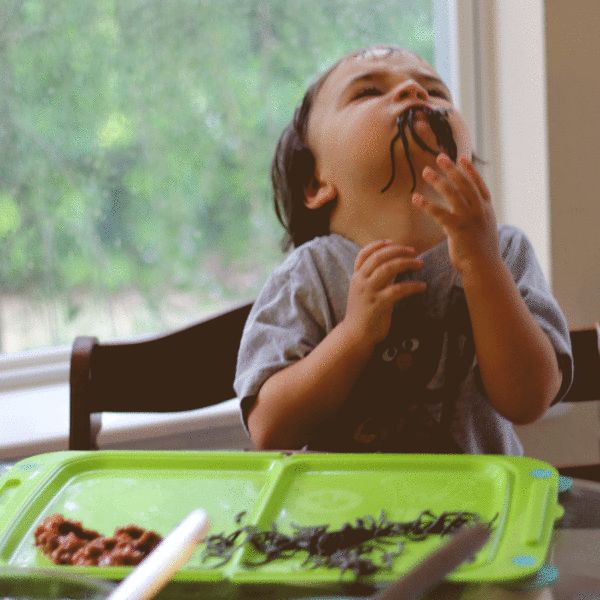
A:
<point x="537" y="512"/>
<point x="276" y="470"/>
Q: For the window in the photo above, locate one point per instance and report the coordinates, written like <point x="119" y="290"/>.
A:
<point x="135" y="145"/>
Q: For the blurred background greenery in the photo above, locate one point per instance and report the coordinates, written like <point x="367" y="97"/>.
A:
<point x="135" y="144"/>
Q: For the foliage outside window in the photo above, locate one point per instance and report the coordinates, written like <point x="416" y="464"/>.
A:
<point x="135" y="144"/>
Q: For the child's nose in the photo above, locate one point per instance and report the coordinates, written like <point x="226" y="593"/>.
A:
<point x="411" y="89"/>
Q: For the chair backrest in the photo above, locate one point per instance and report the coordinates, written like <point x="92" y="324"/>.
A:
<point x="195" y="367"/>
<point x="586" y="360"/>
<point x="187" y="369"/>
<point x="586" y="387"/>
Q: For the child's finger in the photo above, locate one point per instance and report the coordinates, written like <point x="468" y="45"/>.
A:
<point x="464" y="184"/>
<point x="469" y="168"/>
<point x="444" y="187"/>
<point x="384" y="274"/>
<point x="391" y="294"/>
<point x="383" y="254"/>
<point x="442" y="215"/>
<point x="367" y="250"/>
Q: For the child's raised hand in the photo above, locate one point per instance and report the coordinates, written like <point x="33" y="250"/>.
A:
<point x="373" y="292"/>
<point x="469" y="222"/>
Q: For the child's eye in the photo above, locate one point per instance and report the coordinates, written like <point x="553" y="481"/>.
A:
<point x="437" y="93"/>
<point x="368" y="91"/>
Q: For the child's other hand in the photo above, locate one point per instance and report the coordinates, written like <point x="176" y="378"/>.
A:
<point x="373" y="292"/>
<point x="469" y="222"/>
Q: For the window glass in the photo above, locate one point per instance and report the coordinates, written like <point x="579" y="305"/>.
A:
<point x="135" y="145"/>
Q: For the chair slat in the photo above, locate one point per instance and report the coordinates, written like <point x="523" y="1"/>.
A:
<point x="184" y="370"/>
<point x="586" y="358"/>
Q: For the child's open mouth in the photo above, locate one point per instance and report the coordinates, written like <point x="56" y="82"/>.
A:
<point x="438" y="121"/>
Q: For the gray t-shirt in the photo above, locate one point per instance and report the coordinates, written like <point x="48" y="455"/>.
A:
<point x="421" y="391"/>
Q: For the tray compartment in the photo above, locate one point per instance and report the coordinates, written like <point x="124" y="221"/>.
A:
<point x="154" y="490"/>
<point x="329" y="489"/>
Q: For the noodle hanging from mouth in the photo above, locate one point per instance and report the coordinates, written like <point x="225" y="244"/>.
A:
<point x="438" y="121"/>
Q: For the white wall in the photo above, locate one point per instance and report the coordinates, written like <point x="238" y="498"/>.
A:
<point x="573" y="99"/>
<point x="512" y="133"/>
<point x="540" y="128"/>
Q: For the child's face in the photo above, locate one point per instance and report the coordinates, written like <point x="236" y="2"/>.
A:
<point x="353" y="121"/>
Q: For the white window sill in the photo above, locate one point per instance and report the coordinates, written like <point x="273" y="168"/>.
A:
<point x="36" y="420"/>
<point x="42" y="367"/>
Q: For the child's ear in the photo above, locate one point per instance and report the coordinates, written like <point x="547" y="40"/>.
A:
<point x="317" y="193"/>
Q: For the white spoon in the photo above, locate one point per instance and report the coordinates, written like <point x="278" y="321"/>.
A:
<point x="151" y="575"/>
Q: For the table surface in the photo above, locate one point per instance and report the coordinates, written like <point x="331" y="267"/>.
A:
<point x="574" y="553"/>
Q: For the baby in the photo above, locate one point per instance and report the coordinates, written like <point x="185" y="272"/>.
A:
<point x="405" y="319"/>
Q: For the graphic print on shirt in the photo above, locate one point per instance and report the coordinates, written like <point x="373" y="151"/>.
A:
<point x="404" y="400"/>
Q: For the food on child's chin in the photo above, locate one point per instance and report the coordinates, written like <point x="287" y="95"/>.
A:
<point x="66" y="542"/>
<point x="438" y="121"/>
<point x="363" y="548"/>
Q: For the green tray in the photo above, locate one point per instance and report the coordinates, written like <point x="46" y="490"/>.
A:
<point x="156" y="490"/>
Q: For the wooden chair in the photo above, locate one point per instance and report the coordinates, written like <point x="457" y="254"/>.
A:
<point x="195" y="367"/>
<point x="187" y="369"/>
<point x="586" y="386"/>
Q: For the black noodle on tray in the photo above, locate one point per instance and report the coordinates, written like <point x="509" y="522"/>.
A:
<point x="364" y="548"/>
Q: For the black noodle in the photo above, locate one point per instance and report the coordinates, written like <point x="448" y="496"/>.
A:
<point x="353" y="547"/>
<point x="438" y="121"/>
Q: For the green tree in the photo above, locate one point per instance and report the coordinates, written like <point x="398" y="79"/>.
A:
<point x="136" y="137"/>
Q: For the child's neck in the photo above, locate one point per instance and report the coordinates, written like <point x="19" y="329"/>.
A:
<point x="405" y="225"/>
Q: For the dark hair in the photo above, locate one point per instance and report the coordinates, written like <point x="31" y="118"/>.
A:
<point x="293" y="168"/>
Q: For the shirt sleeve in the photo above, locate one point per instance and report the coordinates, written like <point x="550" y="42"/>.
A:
<point x="286" y="322"/>
<point x="520" y="257"/>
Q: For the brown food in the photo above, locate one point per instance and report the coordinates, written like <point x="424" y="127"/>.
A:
<point x="66" y="542"/>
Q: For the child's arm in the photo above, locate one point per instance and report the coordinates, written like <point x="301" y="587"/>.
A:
<point x="293" y="402"/>
<point x="517" y="362"/>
